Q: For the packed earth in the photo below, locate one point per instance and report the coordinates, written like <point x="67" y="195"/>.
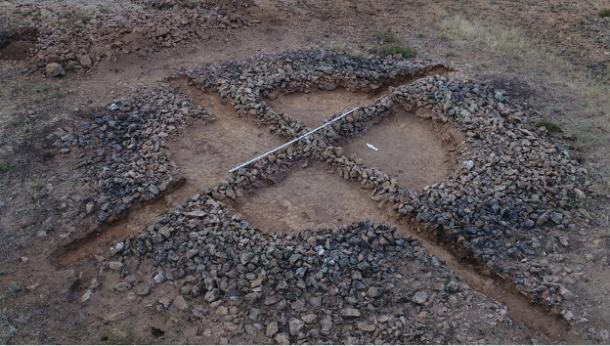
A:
<point x="440" y="185"/>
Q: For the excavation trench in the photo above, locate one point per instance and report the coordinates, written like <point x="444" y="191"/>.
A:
<point x="418" y="153"/>
<point x="204" y="153"/>
<point x="206" y="150"/>
<point x="310" y="196"/>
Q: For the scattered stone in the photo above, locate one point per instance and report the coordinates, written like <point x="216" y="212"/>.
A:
<point x="211" y="296"/>
<point x="89" y="207"/>
<point x="165" y="302"/>
<point x="85" y="60"/>
<point x="373" y="292"/>
<point x="222" y="310"/>
<point x="117" y="248"/>
<point x="420" y="297"/>
<point x="115" y="265"/>
<point x="122" y="287"/>
<point x="142" y="290"/>
<point x="309" y="318"/>
<point x="272" y="329"/>
<point x="180" y="303"/>
<point x="366" y="326"/>
<point x="282" y="339"/>
<point x="86" y="296"/>
<point x="326" y="324"/>
<point x="295" y="325"/>
<point x="556" y="218"/>
<point x="94" y="283"/>
<point x="159" y="278"/>
<point x="54" y="70"/>
<point x="350" y="312"/>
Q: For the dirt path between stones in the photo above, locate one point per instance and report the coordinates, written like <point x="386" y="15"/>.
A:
<point x="519" y="308"/>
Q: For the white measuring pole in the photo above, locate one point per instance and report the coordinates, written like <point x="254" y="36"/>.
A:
<point x="292" y="141"/>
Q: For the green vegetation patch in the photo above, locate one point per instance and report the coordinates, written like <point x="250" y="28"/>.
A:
<point x="390" y="44"/>
<point x="3" y="166"/>
<point x="550" y="126"/>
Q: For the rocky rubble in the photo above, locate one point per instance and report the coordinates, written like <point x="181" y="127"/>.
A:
<point x="125" y="148"/>
<point x="514" y="182"/>
<point x="78" y="36"/>
<point x="362" y="283"/>
<point x="496" y="210"/>
<point x="247" y="84"/>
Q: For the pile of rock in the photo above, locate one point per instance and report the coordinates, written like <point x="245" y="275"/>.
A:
<point x="125" y="148"/>
<point x="361" y="283"/>
<point x="495" y="209"/>
<point x="77" y="36"/>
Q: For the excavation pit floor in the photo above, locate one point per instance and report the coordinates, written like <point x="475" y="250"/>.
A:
<point x="308" y="198"/>
<point x="414" y="150"/>
<point x="313" y="108"/>
<point x="206" y="151"/>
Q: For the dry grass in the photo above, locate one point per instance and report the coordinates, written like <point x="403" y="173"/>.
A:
<point x="125" y="335"/>
<point x="510" y="44"/>
<point x="586" y="102"/>
<point x="344" y="48"/>
<point x="550" y="126"/>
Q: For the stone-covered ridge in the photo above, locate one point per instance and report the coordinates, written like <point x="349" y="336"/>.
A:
<point x="361" y="283"/>
<point x="123" y="148"/>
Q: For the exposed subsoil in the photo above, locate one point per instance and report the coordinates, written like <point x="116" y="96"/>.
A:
<point x="309" y="197"/>
<point x="206" y="151"/>
<point x="313" y="108"/>
<point x="414" y="150"/>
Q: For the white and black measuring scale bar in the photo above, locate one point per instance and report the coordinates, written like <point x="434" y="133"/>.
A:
<point x="304" y="136"/>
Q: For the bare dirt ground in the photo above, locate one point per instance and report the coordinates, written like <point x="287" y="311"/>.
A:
<point x="63" y="63"/>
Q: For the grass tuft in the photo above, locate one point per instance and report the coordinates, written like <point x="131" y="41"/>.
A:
<point x="393" y="49"/>
<point x="3" y="166"/>
<point x="37" y="184"/>
<point x="550" y="126"/>
<point x="605" y="13"/>
<point x="125" y="335"/>
<point x="390" y="44"/>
